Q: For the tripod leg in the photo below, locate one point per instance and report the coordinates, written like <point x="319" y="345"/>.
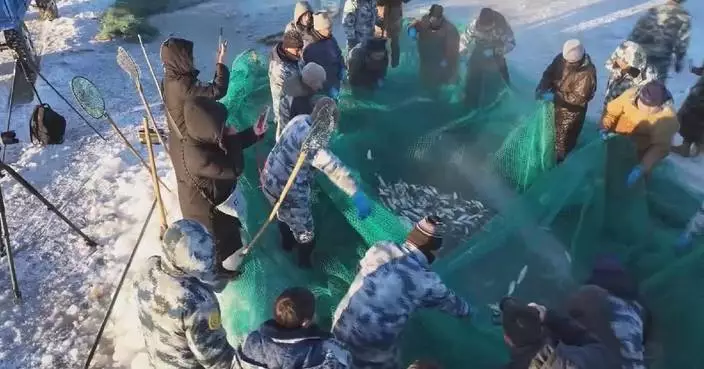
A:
<point x="8" y="248"/>
<point x="46" y="202"/>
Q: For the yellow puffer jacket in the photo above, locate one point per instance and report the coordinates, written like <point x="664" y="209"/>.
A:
<point x="651" y="133"/>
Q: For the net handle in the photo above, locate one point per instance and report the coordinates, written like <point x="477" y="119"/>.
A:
<point x="80" y="101"/>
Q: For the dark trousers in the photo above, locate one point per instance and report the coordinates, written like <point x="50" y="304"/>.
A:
<point x="568" y="126"/>
<point x="477" y="69"/>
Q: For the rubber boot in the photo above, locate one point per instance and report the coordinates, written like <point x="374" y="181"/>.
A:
<point x="287" y="239"/>
<point x="305" y="252"/>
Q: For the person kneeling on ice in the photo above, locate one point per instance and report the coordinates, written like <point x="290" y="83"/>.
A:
<point x="608" y="306"/>
<point x="691" y="116"/>
<point x="178" y="309"/>
<point x="437" y="47"/>
<point x="292" y="340"/>
<point x="647" y="116"/>
<point x="541" y="338"/>
<point x="299" y="91"/>
<point x="393" y="282"/>
<point x="212" y="160"/>
<point x="367" y="65"/>
<point x="570" y="82"/>
<point x="295" y="215"/>
<point x="628" y="67"/>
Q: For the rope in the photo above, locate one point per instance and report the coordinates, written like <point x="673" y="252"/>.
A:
<point x="119" y="286"/>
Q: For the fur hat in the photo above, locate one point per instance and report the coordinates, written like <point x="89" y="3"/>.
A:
<point x="425" y="235"/>
<point x="322" y="21"/>
<point x="292" y="40"/>
<point x="573" y="51"/>
<point x="313" y="75"/>
<point x="654" y="93"/>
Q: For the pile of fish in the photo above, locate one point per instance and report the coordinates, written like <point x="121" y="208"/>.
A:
<point x="461" y="218"/>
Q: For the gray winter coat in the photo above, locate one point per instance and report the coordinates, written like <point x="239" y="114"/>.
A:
<point x="281" y="68"/>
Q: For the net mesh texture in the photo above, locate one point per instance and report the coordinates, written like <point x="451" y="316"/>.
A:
<point x="519" y="224"/>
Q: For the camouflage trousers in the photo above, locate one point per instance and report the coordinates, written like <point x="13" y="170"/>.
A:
<point x="297" y="215"/>
<point x="661" y="66"/>
<point x="373" y="358"/>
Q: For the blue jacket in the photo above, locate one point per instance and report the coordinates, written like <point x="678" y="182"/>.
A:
<point x="272" y="347"/>
<point x="327" y="53"/>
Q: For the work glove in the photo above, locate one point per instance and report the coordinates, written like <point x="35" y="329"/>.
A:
<point x="683" y="244"/>
<point x="342" y="75"/>
<point x="443" y="63"/>
<point x="634" y="176"/>
<point x="547" y="96"/>
<point x="489" y="53"/>
<point x="335" y="93"/>
<point x="413" y="33"/>
<point x="605" y="134"/>
<point x="362" y="204"/>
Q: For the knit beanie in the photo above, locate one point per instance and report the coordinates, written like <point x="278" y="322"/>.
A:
<point x="322" y="21"/>
<point x="292" y="40"/>
<point x="425" y="235"/>
<point x="521" y="323"/>
<point x="436" y="11"/>
<point x="573" y="51"/>
<point x="313" y="75"/>
<point x="654" y="93"/>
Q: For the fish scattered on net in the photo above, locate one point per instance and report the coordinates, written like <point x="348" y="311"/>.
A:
<point x="461" y="218"/>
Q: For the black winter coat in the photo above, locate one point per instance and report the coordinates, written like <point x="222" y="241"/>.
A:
<point x="574" y="87"/>
<point x="567" y="346"/>
<point x="211" y="164"/>
<point x="327" y="53"/>
<point x="181" y="82"/>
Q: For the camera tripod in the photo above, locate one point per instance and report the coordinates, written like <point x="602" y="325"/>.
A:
<point x="5" y="233"/>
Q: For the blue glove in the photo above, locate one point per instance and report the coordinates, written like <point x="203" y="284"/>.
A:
<point x="380" y="83"/>
<point x="334" y="93"/>
<point x="342" y="75"/>
<point x="362" y="203"/>
<point x="488" y="53"/>
<point x="634" y="176"/>
<point x="684" y="243"/>
<point x="413" y="33"/>
<point x="548" y="96"/>
<point x="443" y="63"/>
<point x="604" y="134"/>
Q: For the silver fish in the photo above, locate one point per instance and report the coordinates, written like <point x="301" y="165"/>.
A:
<point x="522" y="274"/>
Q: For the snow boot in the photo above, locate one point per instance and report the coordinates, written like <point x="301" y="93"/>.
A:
<point x="287" y="239"/>
<point x="305" y="252"/>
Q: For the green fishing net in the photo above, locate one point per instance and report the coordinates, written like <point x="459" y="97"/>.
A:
<point x="518" y="224"/>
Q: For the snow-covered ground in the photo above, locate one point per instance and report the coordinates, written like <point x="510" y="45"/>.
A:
<point x="101" y="187"/>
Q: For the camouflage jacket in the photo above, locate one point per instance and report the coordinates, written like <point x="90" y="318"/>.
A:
<point x="359" y="19"/>
<point x="281" y="68"/>
<point x="619" y="81"/>
<point x="499" y="38"/>
<point x="179" y="312"/>
<point x="627" y="324"/>
<point x="284" y="155"/>
<point x="664" y="30"/>
<point x="393" y="282"/>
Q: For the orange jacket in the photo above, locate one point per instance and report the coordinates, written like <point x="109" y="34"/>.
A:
<point x="651" y="133"/>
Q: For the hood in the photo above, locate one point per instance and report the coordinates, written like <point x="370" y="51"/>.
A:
<point x="177" y="56"/>
<point x="290" y="336"/>
<point x="294" y="86"/>
<point x="302" y="7"/>
<point x="189" y="249"/>
<point x="633" y="54"/>
<point x="205" y="119"/>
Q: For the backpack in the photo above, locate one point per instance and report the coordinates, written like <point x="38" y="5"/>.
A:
<point x="46" y="126"/>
